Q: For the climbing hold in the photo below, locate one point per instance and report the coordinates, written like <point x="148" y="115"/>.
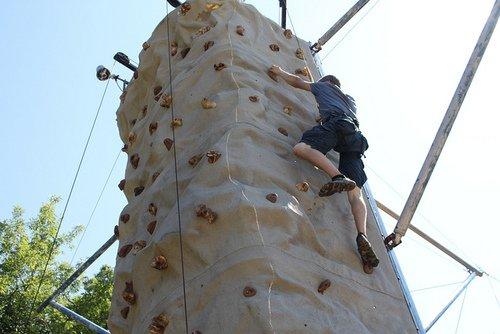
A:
<point x="138" y="245"/>
<point x="128" y="294"/>
<point x="202" y="31"/>
<point x="155" y="176"/>
<point x="173" y="48"/>
<point x="213" y="156"/>
<point x="254" y="98"/>
<point x="324" y="285"/>
<point x="176" y="123"/>
<point x="287" y="110"/>
<point x="211" y="6"/>
<point x="195" y="160"/>
<point x="134" y="160"/>
<point x="124" y="312"/>
<point x="219" y="66"/>
<point x="138" y="190"/>
<point x="272" y="75"/>
<point x="152" y="209"/>
<point x="144" y="111"/>
<point x="121" y="185"/>
<point x="300" y="54"/>
<point x="318" y="119"/>
<point x="288" y="33"/>
<point x="125" y="250"/>
<point x="274" y="47"/>
<point x="125" y="148"/>
<point x="272" y="197"/>
<point x="184" y="52"/>
<point x="132" y="137"/>
<point x="302" y="186"/>
<point x="122" y="96"/>
<point x="132" y="122"/>
<point x="207" y="104"/>
<point x="136" y="74"/>
<point x="283" y="131"/>
<point x="249" y="292"/>
<point x="157" y="90"/>
<point x="208" y="45"/>
<point x="166" y="101"/>
<point x="153" y="127"/>
<point x="303" y="71"/>
<point x="158" y="324"/>
<point x="116" y="231"/>
<point x="159" y="262"/>
<point x="240" y="30"/>
<point x="207" y="213"/>
<point x="168" y="143"/>
<point x="186" y="7"/>
<point x="124" y="218"/>
<point x="145" y="46"/>
<point x="151" y="227"/>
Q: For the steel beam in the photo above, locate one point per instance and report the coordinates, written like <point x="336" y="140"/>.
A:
<point x="444" y="130"/>
<point x="78" y="272"/>
<point x="316" y="47"/>
<point x="283" y="13"/>
<point x="78" y="318"/>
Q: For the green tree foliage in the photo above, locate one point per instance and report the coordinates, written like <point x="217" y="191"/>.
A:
<point x="24" y="247"/>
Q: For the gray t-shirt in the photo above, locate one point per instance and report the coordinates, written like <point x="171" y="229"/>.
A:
<point x="332" y="101"/>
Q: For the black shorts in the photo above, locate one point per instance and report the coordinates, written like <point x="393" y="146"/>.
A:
<point x="324" y="138"/>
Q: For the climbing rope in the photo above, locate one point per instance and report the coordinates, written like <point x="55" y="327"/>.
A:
<point x="51" y="249"/>
<point x="298" y="41"/>
<point x="461" y="309"/>
<point x="176" y="171"/>
<point x="437" y="286"/>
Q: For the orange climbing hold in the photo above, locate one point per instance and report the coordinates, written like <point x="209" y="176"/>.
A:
<point x="186" y="7"/>
<point x="205" y="212"/>
<point x="274" y="47"/>
<point x="158" y="324"/>
<point x="288" y="33"/>
<point x="159" y="262"/>
<point x="213" y="156"/>
<point x="128" y="294"/>
<point x="177" y="122"/>
<point x="145" y="46"/>
<point x="166" y="101"/>
<point x="207" y="104"/>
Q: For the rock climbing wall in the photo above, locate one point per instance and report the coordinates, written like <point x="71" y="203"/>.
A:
<point x="262" y="252"/>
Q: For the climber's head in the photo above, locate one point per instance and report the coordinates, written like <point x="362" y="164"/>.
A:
<point x="331" y="79"/>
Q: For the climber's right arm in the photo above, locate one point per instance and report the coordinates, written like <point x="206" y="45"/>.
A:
<point x="292" y="80"/>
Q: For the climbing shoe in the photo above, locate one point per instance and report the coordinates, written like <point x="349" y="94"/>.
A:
<point x="338" y="184"/>
<point x="368" y="256"/>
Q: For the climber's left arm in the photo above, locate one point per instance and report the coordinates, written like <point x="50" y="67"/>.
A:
<point x="291" y="79"/>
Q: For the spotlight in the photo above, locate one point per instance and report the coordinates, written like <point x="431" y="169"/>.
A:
<point x="125" y="61"/>
<point x="102" y="73"/>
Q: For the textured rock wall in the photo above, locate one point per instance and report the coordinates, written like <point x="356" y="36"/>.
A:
<point x="257" y="243"/>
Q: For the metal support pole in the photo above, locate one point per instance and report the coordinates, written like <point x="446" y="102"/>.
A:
<point x="444" y="130"/>
<point x="283" y="13"/>
<point x="372" y="205"/>
<point x="78" y="272"/>
<point x="78" y="318"/>
<point x="464" y="286"/>
<point x="433" y="242"/>
<point x="316" y="47"/>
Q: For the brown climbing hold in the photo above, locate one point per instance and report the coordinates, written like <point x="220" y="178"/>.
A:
<point x="152" y="209"/>
<point x="173" y="48"/>
<point x="138" y="245"/>
<point x="211" y="6"/>
<point x="132" y="137"/>
<point x="125" y="250"/>
<point x="240" y="30"/>
<point x="138" y="190"/>
<point x="158" y="324"/>
<point x="303" y="71"/>
<point x="213" y="156"/>
<point x="274" y="47"/>
<point x="136" y="74"/>
<point x="202" y="31"/>
<point x="157" y="93"/>
<point x="144" y="111"/>
<point x="254" y="98"/>
<point x="132" y="122"/>
<point x="219" y="66"/>
<point x="134" y="160"/>
<point x="273" y="198"/>
<point x="125" y="218"/>
<point x="287" y="110"/>
<point x="124" y="312"/>
<point x="116" y="231"/>
<point x="145" y="46"/>
<point x="324" y="285"/>
<point x="155" y="176"/>
<point x="128" y="294"/>
<point x="151" y="227"/>
<point x="249" y="292"/>
<point x="300" y="54"/>
<point x="153" y="127"/>
<point x="288" y="33"/>
<point x="207" y="104"/>
<point x="159" y="262"/>
<point x="121" y="185"/>
<point x="168" y="143"/>
<point x="208" y="45"/>
<point x="184" y="52"/>
<point x="272" y="75"/>
<point x="195" y="160"/>
<point x="186" y="7"/>
<point x="283" y="131"/>
<point x="125" y="148"/>
<point x="176" y="123"/>
<point x="166" y="101"/>
<point x="302" y="186"/>
<point x="205" y="212"/>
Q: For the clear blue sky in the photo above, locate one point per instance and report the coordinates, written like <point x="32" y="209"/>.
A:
<point x="401" y="63"/>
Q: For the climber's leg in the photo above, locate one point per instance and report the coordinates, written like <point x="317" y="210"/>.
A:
<point x="315" y="157"/>
<point x="358" y="209"/>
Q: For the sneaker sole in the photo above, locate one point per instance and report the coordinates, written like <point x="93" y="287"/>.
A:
<point x="333" y="187"/>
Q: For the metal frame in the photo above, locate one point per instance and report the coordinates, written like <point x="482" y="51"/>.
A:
<point x="78" y="318"/>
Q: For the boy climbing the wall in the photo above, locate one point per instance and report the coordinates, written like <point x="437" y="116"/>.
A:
<point x="338" y="130"/>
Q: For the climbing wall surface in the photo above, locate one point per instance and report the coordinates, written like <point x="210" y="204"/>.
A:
<point x="259" y="245"/>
